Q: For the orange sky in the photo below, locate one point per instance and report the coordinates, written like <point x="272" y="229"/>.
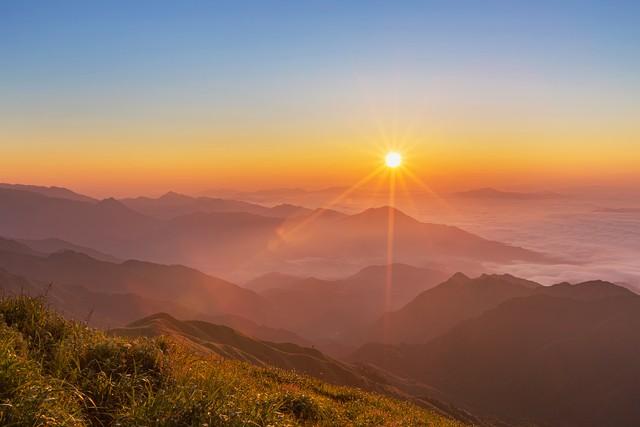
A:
<point x="168" y="97"/>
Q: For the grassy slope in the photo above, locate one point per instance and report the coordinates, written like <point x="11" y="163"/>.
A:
<point x="54" y="372"/>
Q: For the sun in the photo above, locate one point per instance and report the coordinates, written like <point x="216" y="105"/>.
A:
<point x="393" y="159"/>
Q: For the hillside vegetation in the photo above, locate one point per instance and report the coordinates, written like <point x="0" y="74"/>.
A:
<point x="55" y="372"/>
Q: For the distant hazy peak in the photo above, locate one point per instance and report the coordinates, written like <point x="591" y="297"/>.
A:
<point x="52" y="191"/>
<point x="172" y="195"/>
<point x="492" y="193"/>
<point x="383" y="212"/>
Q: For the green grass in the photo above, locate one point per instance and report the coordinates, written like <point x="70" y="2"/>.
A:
<point x="55" y="372"/>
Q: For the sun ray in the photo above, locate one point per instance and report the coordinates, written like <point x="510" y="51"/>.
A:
<point x="322" y="210"/>
<point x="390" y="238"/>
<point x="414" y="210"/>
<point x="433" y="194"/>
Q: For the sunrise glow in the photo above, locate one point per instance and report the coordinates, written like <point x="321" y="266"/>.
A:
<point x="393" y="159"/>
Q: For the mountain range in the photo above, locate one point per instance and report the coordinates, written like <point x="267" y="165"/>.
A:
<point x="239" y="244"/>
<point x="562" y="355"/>
<point x="498" y="346"/>
<point x="494" y="194"/>
<point x="373" y="290"/>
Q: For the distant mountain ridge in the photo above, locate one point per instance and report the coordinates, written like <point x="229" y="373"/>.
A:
<point x="180" y="285"/>
<point x="492" y="193"/>
<point x="173" y="204"/>
<point x="111" y="294"/>
<point x="234" y="243"/>
<point x="55" y="192"/>
<point x="50" y="246"/>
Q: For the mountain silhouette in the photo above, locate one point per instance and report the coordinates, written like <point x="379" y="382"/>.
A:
<point x="492" y="193"/>
<point x="52" y="245"/>
<point x="365" y="235"/>
<point x="436" y="310"/>
<point x="231" y="243"/>
<point x="180" y="285"/>
<point x="562" y="356"/>
<point x="57" y="192"/>
<point x="346" y="304"/>
<point x="173" y="204"/>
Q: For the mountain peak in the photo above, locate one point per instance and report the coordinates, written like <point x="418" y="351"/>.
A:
<point x="111" y="204"/>
<point x="50" y="191"/>
<point x="382" y="213"/>
<point x="459" y="277"/>
<point x="172" y="195"/>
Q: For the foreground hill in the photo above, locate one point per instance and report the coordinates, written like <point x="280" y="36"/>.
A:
<point x="58" y="373"/>
<point x="230" y="344"/>
<point x="564" y="355"/>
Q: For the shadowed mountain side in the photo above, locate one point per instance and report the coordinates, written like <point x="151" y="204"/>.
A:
<point x="260" y="332"/>
<point x="173" y="204"/>
<point x="105" y="225"/>
<point x="10" y="245"/>
<point x="98" y="309"/>
<point x="436" y="310"/>
<point x="406" y="282"/>
<point x="108" y="310"/>
<point x="56" y="192"/>
<point x="564" y="356"/>
<point x="346" y="304"/>
<point x="50" y="246"/>
<point x="181" y="285"/>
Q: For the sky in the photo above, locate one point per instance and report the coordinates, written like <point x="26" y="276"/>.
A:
<point x="122" y="97"/>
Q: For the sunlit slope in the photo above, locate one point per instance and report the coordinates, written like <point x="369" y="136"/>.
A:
<point x="59" y="373"/>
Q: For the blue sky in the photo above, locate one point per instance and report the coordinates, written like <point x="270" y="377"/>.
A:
<point x="129" y="73"/>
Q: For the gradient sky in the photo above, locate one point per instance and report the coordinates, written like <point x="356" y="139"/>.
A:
<point x="145" y="96"/>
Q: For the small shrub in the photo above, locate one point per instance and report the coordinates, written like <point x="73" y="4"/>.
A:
<point x="301" y="406"/>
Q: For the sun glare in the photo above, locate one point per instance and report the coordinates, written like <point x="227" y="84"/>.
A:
<point x="393" y="159"/>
